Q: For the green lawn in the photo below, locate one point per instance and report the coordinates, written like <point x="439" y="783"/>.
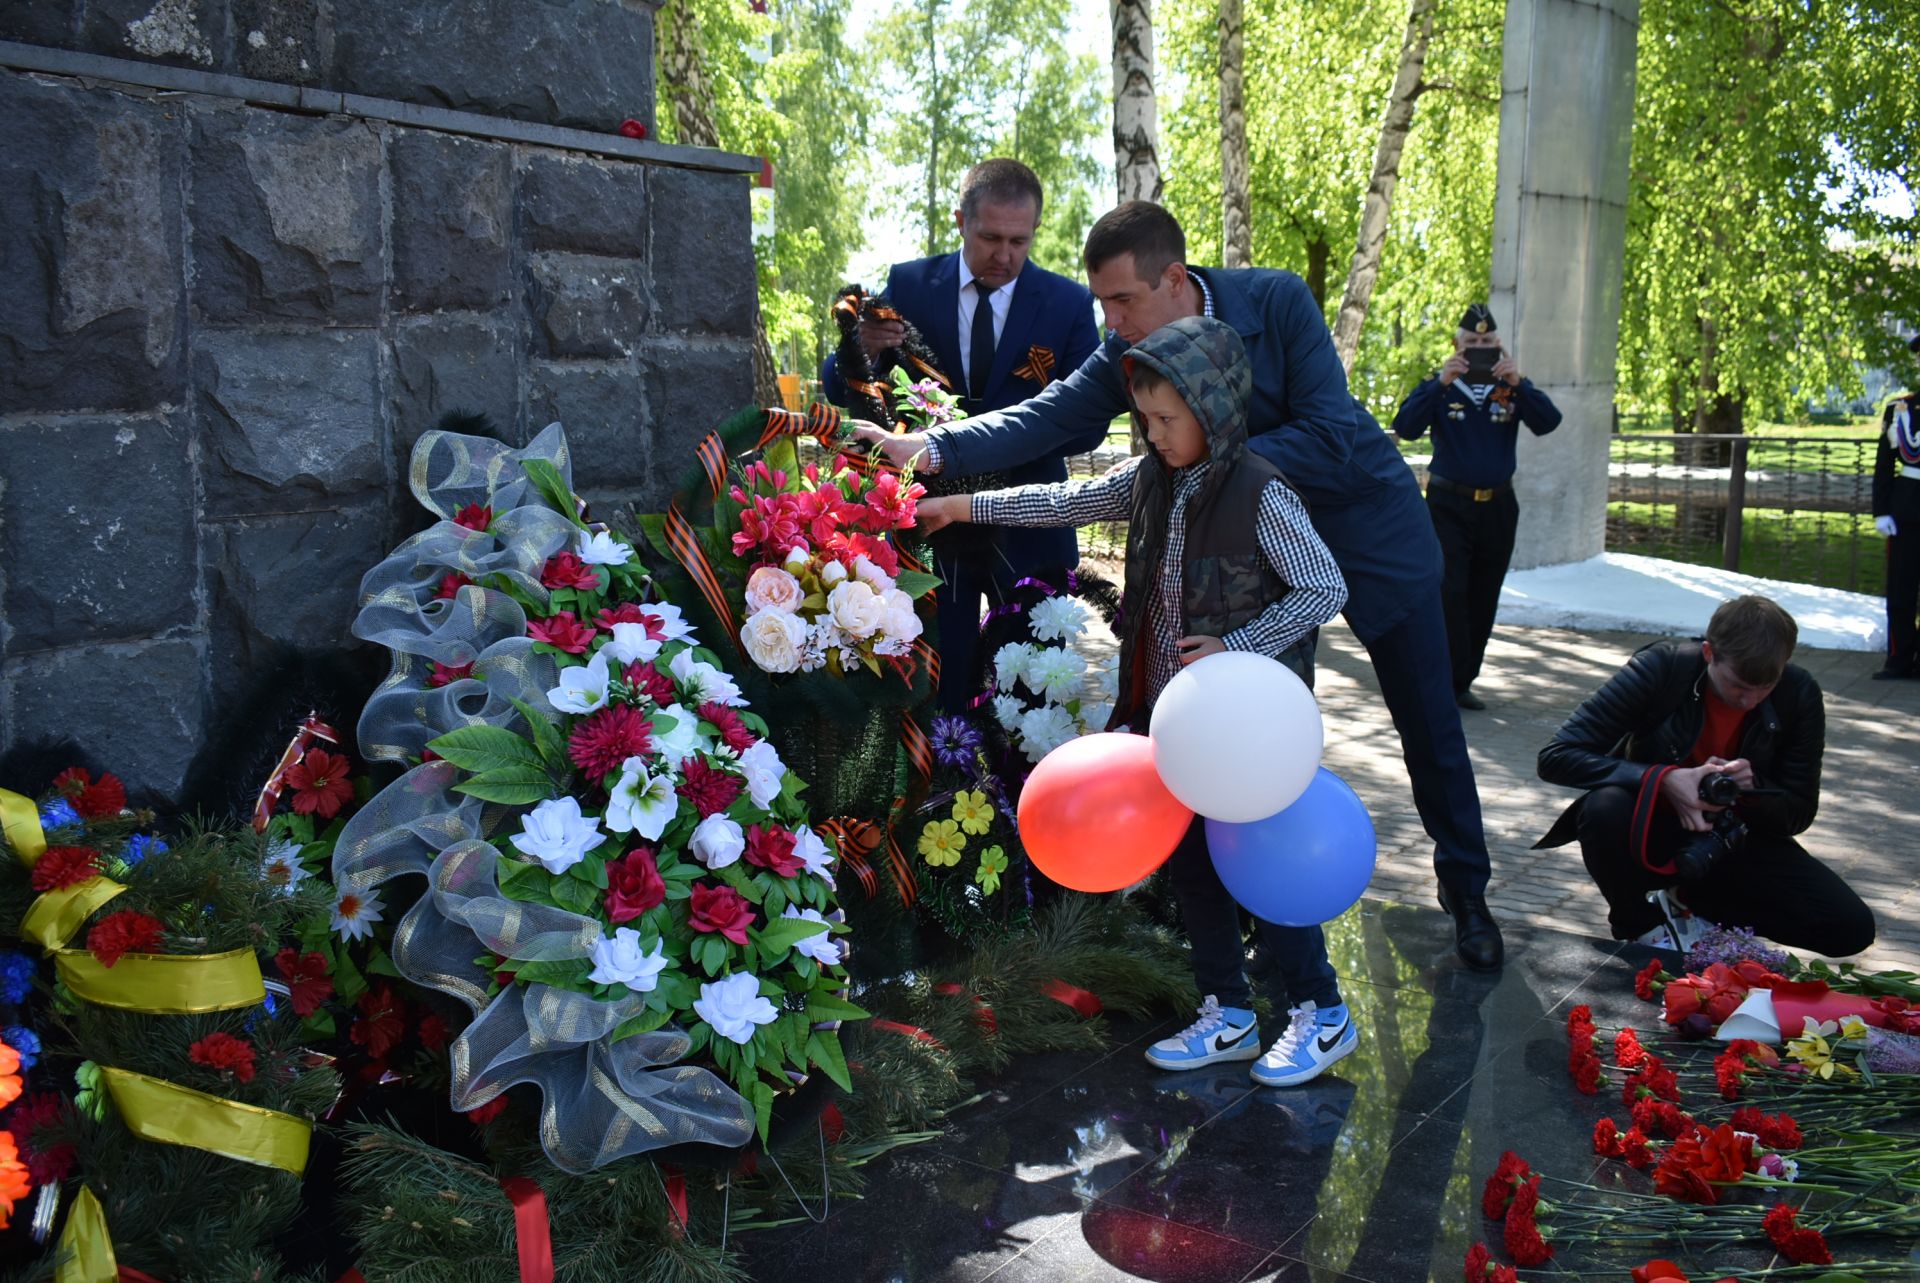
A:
<point x="1831" y="549"/>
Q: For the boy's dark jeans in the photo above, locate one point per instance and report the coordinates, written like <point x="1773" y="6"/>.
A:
<point x="1212" y="917"/>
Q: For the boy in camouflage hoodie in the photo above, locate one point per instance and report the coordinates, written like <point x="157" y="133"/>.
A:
<point x="1220" y="556"/>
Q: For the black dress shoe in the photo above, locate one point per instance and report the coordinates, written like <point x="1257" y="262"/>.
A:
<point x="1894" y="675"/>
<point x="1469" y="700"/>
<point x="1476" y="937"/>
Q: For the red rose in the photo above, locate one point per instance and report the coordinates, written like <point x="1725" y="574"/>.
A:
<point x="450" y="585"/>
<point x="634" y="885"/>
<point x="710" y="790"/>
<point x="474" y="517"/>
<point x="432" y="1031"/>
<point x="720" y="909"/>
<point x="320" y="783"/>
<point x="381" y="1022"/>
<point x="1523" y="1239"/>
<point x="488" y="1112"/>
<point x="306" y="976"/>
<point x="624" y="613"/>
<point x="226" y="1053"/>
<point x="1650" y="980"/>
<point x="562" y="632"/>
<point x="772" y="848"/>
<point x="128" y="931"/>
<point x="566" y="570"/>
<point x="60" y="867"/>
<point x="446" y="675"/>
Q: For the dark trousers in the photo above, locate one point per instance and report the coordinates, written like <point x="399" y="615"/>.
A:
<point x="1410" y="663"/>
<point x="1476" y="540"/>
<point x="1770" y="885"/>
<point x="970" y="582"/>
<point x="1903" y="575"/>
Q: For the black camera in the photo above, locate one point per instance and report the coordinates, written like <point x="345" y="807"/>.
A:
<point x="1696" y="857"/>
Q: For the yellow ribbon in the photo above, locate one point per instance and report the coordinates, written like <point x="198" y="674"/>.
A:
<point x="86" y="1248"/>
<point x="169" y="1114"/>
<point x="169" y="984"/>
<point x="20" y="819"/>
<point x="52" y="919"/>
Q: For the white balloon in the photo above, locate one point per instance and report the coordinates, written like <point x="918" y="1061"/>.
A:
<point x="1236" y="737"/>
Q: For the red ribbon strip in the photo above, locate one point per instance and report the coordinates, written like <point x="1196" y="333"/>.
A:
<point x="311" y="728"/>
<point x="1087" y="1004"/>
<point x="676" y="1182"/>
<point x="130" y="1275"/>
<point x="982" y="1013"/>
<point x="914" y="1032"/>
<point x="530" y="1228"/>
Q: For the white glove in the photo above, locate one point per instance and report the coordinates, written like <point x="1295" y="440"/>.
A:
<point x="1885" y="526"/>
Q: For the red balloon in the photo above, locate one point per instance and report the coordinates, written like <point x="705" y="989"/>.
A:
<point x="1094" y="815"/>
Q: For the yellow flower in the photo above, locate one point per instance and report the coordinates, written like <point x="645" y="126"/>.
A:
<point x="973" y="811"/>
<point x="1852" y="1028"/>
<point x="993" y="862"/>
<point x="941" y="843"/>
<point x="1813" y="1052"/>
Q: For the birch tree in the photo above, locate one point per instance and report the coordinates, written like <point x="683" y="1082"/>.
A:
<point x="1136" y="115"/>
<point x="1236" y="236"/>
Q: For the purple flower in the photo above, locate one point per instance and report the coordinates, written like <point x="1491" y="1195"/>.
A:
<point x="1730" y="945"/>
<point x="956" y="741"/>
<point x="24" y="1041"/>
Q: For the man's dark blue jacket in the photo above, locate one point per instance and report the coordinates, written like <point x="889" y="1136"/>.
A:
<point x="1047" y="311"/>
<point x="1361" y="495"/>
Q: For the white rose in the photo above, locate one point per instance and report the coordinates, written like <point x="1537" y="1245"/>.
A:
<point x="764" y="770"/>
<point x="832" y="573"/>
<point x="717" y="841"/>
<point x="773" y="588"/>
<point x="855" y="609"/>
<point x="797" y="558"/>
<point x="900" y="620"/>
<point x="557" y="834"/>
<point x="621" y="961"/>
<point x="733" y="1006"/>
<point x="821" y="947"/>
<point x="871" y="575"/>
<point x="630" y="645"/>
<point x="773" y="639"/>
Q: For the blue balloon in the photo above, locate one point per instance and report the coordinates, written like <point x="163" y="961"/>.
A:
<point x="1304" y="866"/>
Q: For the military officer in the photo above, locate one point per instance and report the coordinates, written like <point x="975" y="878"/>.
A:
<point x="1474" y="407"/>
<point x="1896" y="514"/>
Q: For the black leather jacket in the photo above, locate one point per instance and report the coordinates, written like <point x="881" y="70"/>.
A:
<point x="1645" y="720"/>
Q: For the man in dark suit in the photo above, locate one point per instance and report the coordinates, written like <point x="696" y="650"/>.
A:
<point x="1362" y="497"/>
<point x="1034" y="329"/>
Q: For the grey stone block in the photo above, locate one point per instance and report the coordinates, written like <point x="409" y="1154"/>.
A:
<point x="604" y="412"/>
<point x="451" y="220"/>
<point x="586" y="63"/>
<point x="141" y="706"/>
<point x="91" y="307"/>
<point x="703" y="279"/>
<point x="585" y="307"/>
<point x="584" y="204"/>
<point x="453" y="363"/>
<point x="186" y="33"/>
<point x="288" y="420"/>
<point x="691" y="389"/>
<point x="99" y="530"/>
<point x="286" y="218"/>
<point x="38" y="22"/>
<point x="287" y="41"/>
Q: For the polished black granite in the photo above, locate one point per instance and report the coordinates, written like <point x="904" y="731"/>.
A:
<point x="1100" y="1167"/>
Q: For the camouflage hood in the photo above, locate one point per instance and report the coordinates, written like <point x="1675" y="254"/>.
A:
<point x="1207" y="365"/>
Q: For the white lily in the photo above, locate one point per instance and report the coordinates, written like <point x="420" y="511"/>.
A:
<point x="582" y="690"/>
<point x="641" y="803"/>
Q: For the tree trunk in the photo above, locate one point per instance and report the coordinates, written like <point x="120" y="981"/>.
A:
<point x="1136" y="119"/>
<point x="1365" y="269"/>
<point x="935" y="119"/>
<point x="1236" y="239"/>
<point x="693" y="117"/>
<point x="1318" y="252"/>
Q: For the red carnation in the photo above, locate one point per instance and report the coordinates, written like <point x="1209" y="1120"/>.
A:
<point x="651" y="682"/>
<point x="771" y="848"/>
<point x="1650" y="981"/>
<point x="474" y="517"/>
<point x="450" y="585"/>
<point x="320" y="783"/>
<point x="710" y="790"/>
<point x="1589" y="1075"/>
<point x="128" y="931"/>
<point x="1651" y="1115"/>
<point x="634" y="885"/>
<point x="1580" y="1022"/>
<point x="307" y="979"/>
<point x="226" y="1053"/>
<point x="1606" y="1138"/>
<point x="1776" y="1131"/>
<point x="602" y="741"/>
<point x="486" y="1113"/>
<point x="562" y="632"/>
<point x="1627" y="1049"/>
<point x="1658" y="1271"/>
<point x="1524" y="1242"/>
<point x="566" y="570"/>
<point x="65" y="866"/>
<point x="1508" y="1176"/>
<point x="1634" y="1150"/>
<point x="93" y="800"/>
<point x="631" y="128"/>
<point x="1479" y="1264"/>
<point x="733" y="731"/>
<point x="720" y="909"/>
<point x="432" y="1031"/>
<point x="1804" y="1246"/>
<point x="381" y="1022"/>
<point x="46" y="1164"/>
<point x="445" y="675"/>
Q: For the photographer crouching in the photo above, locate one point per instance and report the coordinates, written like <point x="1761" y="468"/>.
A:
<point x="1701" y="761"/>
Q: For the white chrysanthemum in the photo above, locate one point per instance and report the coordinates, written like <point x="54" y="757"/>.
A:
<point x="1107" y="680"/>
<point x="1010" y="664"/>
<point x="734" y="1007"/>
<point x="621" y="961"/>
<point x="1058" y="619"/>
<point x="1094" y="715"/>
<point x="641" y="803"/>
<point x="1007" y="711"/>
<point x="822" y="947"/>
<point x="1055" y="672"/>
<point x="602" y="549"/>
<point x="557" y="834"/>
<point x="582" y="690"/>
<point x="1044" y="729"/>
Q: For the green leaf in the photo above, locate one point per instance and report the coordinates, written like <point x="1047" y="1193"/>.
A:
<point x="574" y="895"/>
<point x="546" y="739"/>
<point x="565" y="973"/>
<point x="319" y="1024"/>
<point x="522" y="881"/>
<point x="553" y="488"/>
<point x="485" y="748"/>
<point x="379" y="964"/>
<point x="645" y="1023"/>
<point x="782" y="934"/>
<point x="824" y="1006"/>
<point x="347" y="980"/>
<point x="917" y="583"/>
<point x="511" y="785"/>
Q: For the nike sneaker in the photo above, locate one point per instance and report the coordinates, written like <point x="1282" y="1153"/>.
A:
<point x="1221" y="1033"/>
<point x="1314" y="1040"/>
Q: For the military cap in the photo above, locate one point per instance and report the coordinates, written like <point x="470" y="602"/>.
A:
<point x="1478" y="320"/>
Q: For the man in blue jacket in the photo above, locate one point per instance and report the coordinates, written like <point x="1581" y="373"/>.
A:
<point x="1475" y="406"/>
<point x="1362" y="498"/>
<point x="1035" y="329"/>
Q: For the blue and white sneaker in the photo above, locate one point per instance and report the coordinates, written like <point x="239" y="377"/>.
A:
<point x="1314" y="1040"/>
<point x="1221" y="1033"/>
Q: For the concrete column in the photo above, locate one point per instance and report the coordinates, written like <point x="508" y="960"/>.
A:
<point x="1559" y="240"/>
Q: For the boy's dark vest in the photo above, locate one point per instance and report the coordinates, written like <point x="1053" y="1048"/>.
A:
<point x="1225" y="581"/>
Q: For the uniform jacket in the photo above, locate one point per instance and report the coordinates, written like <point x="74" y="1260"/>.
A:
<point x="1473" y="445"/>
<point x="1644" y="721"/>
<point x="1899" y="446"/>
<point x="1048" y="312"/>
<point x="1301" y="418"/>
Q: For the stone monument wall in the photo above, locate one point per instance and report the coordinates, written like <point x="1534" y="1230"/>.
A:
<point x="249" y="251"/>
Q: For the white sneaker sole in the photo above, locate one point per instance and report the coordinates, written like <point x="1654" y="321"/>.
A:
<point x="1295" y="1077"/>
<point x="1249" y="1052"/>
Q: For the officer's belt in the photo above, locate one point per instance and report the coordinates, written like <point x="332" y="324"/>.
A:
<point x="1479" y="494"/>
<point x="1910" y="471"/>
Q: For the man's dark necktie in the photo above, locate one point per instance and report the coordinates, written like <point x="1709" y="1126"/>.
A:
<point x="981" y="360"/>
